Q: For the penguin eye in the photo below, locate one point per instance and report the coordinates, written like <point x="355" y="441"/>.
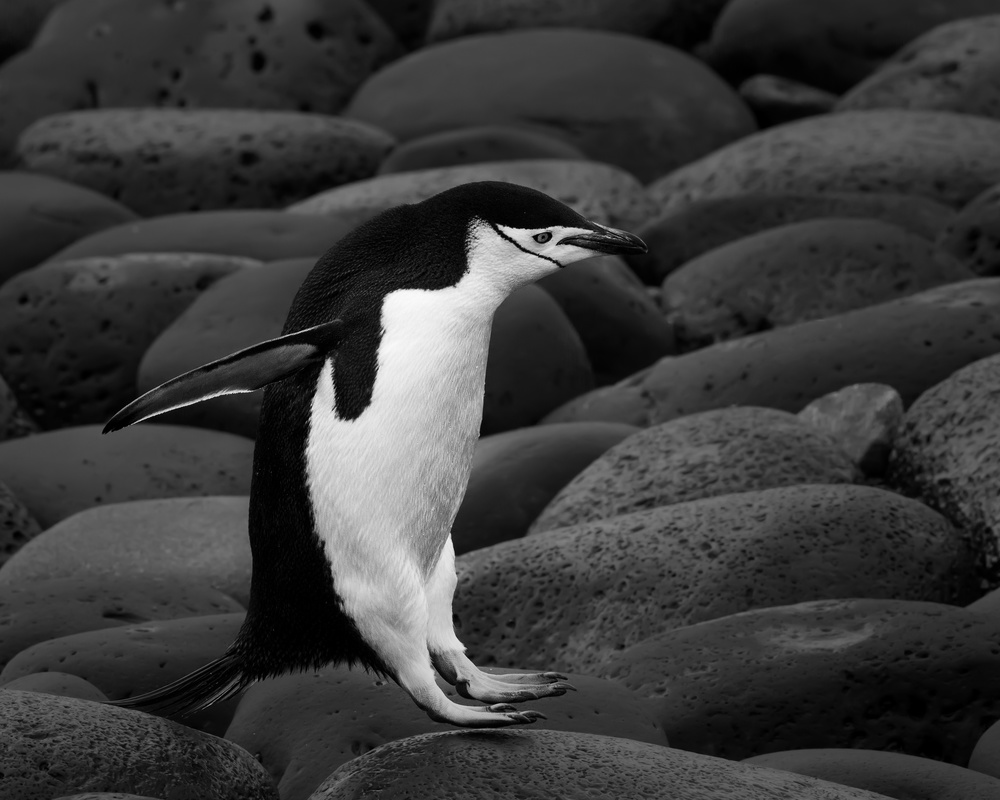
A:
<point x="542" y="238"/>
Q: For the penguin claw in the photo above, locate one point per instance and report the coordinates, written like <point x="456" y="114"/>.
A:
<point x="526" y="717"/>
<point x="501" y="708"/>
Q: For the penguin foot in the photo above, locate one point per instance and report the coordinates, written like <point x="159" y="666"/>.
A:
<point x="490" y="689"/>
<point x="493" y="716"/>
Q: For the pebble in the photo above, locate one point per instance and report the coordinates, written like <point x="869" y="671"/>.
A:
<point x="601" y="586"/>
<point x="623" y="100"/>
<point x="921" y="678"/>
<point x="973" y="236"/>
<point x="74" y="331"/>
<point x="953" y="67"/>
<point x="890" y="774"/>
<point x="53" y="745"/>
<point x="40" y="215"/>
<point x="600" y="192"/>
<point x="494" y="765"/>
<point x="59" y="473"/>
<point x="14" y="421"/>
<point x="169" y="160"/>
<point x="516" y="473"/>
<point x="940" y="155"/>
<point x="775" y="101"/>
<point x="201" y="541"/>
<point x="797" y="272"/>
<point x="58" y="683"/>
<point x="677" y="237"/>
<point x="719" y="452"/>
<point x="17" y="525"/>
<point x="301" y="727"/>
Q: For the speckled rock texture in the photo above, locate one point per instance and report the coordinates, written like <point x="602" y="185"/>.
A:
<point x="477" y="144"/>
<point x="863" y="419"/>
<point x="54" y="745"/>
<point x="252" y="233"/>
<point x="201" y="541"/>
<point x="600" y="192"/>
<point x="106" y="796"/>
<point x="718" y="452"/>
<point x="798" y="272"/>
<point x="41" y="215"/>
<point x="830" y="45"/>
<point x="59" y="473"/>
<point x="775" y="101"/>
<point x="940" y="155"/>
<point x="17" y="525"/>
<point x="571" y="598"/>
<point x="516" y="473"/>
<point x="168" y="160"/>
<point x="301" y="727"/>
<point x="876" y="674"/>
<point x="891" y="774"/>
<point x="909" y="344"/>
<point x="985" y="756"/>
<point x="58" y="683"/>
<point x="47" y="609"/>
<point x="298" y="55"/>
<point x="14" y="420"/>
<point x="74" y="332"/>
<point x="946" y="454"/>
<point x="973" y="236"/>
<point x="954" y="67"/>
<point x="497" y="765"/>
<point x="677" y="237"/>
<point x="632" y="102"/>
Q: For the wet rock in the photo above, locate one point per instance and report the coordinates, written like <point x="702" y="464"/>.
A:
<point x="718" y="452"/>
<point x="17" y="525"/>
<point x="798" y="272"/>
<point x="973" y="236"/>
<point x="59" y="473"/>
<point x="627" y="101"/>
<point x="74" y="332"/>
<point x="54" y="745"/>
<point x="875" y="674"/>
<point x="14" y="421"/>
<point x="58" y="683"/>
<point x="775" y="100"/>
<point x="201" y="541"/>
<point x="601" y="586"/>
<point x="168" y="160"/>
<point x="943" y="156"/>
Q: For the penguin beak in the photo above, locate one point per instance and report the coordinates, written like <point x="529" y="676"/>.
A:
<point x="608" y="240"/>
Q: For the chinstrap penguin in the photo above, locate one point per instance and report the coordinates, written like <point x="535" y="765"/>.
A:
<point x="371" y="412"/>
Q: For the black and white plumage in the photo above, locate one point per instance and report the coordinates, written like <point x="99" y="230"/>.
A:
<point x="371" y="412"/>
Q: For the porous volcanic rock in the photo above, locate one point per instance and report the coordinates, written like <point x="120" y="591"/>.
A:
<point x="14" y="421"/>
<point x="17" y="525"/>
<point x="973" y="236"/>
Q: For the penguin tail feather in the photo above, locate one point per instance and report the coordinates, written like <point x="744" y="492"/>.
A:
<point x="216" y="681"/>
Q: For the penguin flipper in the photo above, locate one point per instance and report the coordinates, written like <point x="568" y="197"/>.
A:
<point x="243" y="371"/>
<point x="216" y="681"/>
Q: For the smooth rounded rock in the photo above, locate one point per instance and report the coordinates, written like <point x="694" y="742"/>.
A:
<point x="940" y="155"/>
<point x="973" y="236"/>
<point x="303" y="726"/>
<point x="59" y="473"/>
<point x="408" y="19"/>
<point x="40" y="215"/>
<point x="571" y="598"/>
<point x="19" y="20"/>
<point x="798" y="272"/>
<point x="718" y="452"/>
<point x="199" y="540"/>
<point x="516" y="473"/>
<point x="775" y="101"/>
<point x="984" y="756"/>
<point x="677" y="237"/>
<point x="638" y="104"/>
<point x="74" y="332"/>
<point x="58" y="683"/>
<point x="867" y="673"/>
<point x="168" y="160"/>
<point x="54" y="745"/>
<point x="17" y="525"/>
<point x="14" y="420"/>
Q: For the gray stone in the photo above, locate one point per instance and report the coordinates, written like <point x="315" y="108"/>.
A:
<point x="58" y="683"/>
<point x="14" y="421"/>
<point x="774" y="100"/>
<point x="973" y="236"/>
<point x="17" y="525"/>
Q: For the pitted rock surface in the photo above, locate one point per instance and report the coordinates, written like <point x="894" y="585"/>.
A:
<point x="571" y="598"/>
<point x="954" y="67"/>
<point x="718" y="452"/>
<point x="47" y="609"/>
<point x="600" y="192"/>
<point x="54" y="745"/>
<point x="798" y="272"/>
<point x="14" y="421"/>
<point x="946" y="454"/>
<point x="58" y="683"/>
<point x="940" y="155"/>
<point x="303" y="726"/>
<point x="201" y="541"/>
<point x="516" y="473"/>
<point x="478" y="144"/>
<point x="74" y="332"/>
<point x="304" y="55"/>
<point x="168" y="160"/>
<point x="878" y="674"/>
<point x="677" y="237"/>
<point x="41" y="215"/>
<point x="775" y="101"/>
<point x="973" y="236"/>
<point x="17" y="525"/>
<point x="623" y="100"/>
<point x="59" y="473"/>
<point x="497" y="764"/>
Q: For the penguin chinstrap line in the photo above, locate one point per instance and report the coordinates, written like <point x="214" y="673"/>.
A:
<point x="372" y="404"/>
